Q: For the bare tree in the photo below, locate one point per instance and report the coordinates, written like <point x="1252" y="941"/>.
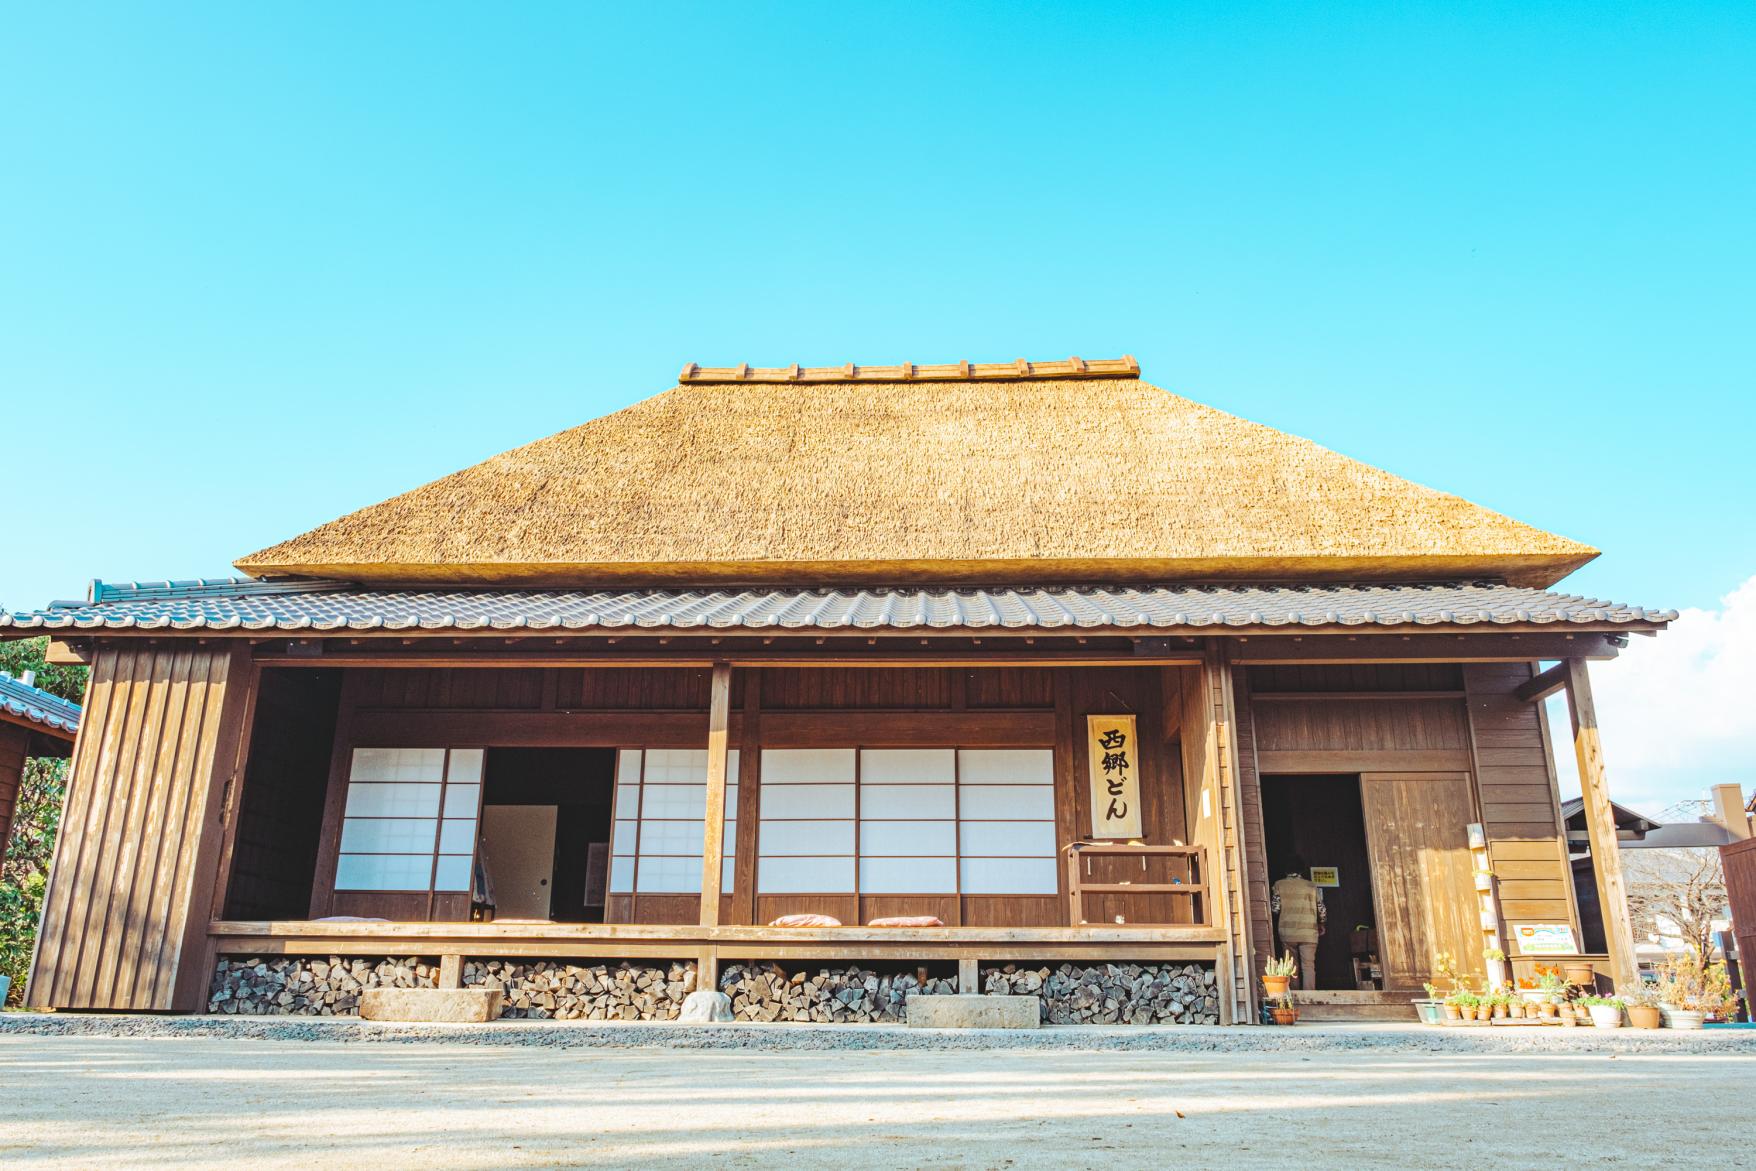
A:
<point x="1676" y="892"/>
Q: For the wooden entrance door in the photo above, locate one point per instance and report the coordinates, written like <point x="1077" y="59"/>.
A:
<point x="1418" y="842"/>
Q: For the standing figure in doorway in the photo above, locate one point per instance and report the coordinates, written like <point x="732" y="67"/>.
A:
<point x="1300" y="919"/>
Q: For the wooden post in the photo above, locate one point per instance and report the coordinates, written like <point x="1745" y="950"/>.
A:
<point x="713" y="839"/>
<point x="1600" y="825"/>
<point x="969" y="981"/>
<point x="451" y="971"/>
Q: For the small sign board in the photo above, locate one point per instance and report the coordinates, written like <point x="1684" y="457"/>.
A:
<point x="1478" y="836"/>
<point x="1544" y="939"/>
<point x="1112" y="753"/>
<point x="1326" y="876"/>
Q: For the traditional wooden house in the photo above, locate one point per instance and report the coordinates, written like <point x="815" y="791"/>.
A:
<point x="1067" y="664"/>
<point x="32" y="723"/>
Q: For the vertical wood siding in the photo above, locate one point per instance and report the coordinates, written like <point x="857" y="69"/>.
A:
<point x="125" y="918"/>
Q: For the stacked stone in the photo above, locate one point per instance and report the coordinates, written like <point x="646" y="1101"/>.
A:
<point x="1114" y="994"/>
<point x="552" y="989"/>
<point x="767" y="992"/>
<point x="303" y="986"/>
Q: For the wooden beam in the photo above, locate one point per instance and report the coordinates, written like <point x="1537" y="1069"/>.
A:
<point x="1540" y="687"/>
<point x="713" y="838"/>
<point x="1600" y="824"/>
<point x="62" y="653"/>
<point x="1388" y="647"/>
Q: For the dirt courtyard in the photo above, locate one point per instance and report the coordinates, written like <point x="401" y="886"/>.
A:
<point x="192" y="1103"/>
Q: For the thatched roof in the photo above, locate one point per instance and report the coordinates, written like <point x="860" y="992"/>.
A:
<point x="823" y="477"/>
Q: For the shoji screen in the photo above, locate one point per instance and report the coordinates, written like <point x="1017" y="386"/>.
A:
<point x="806" y="837"/>
<point x="1006" y="822"/>
<point x="410" y="819"/>
<point x="661" y="798"/>
<point x="908" y="821"/>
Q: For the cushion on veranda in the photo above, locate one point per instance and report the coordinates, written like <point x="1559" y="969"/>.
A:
<point x="907" y="921"/>
<point x="806" y="921"/>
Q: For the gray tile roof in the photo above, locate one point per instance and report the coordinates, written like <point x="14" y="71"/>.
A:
<point x="244" y="605"/>
<point x="20" y="700"/>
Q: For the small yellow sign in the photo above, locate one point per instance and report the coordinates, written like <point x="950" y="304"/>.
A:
<point x="1113" y="756"/>
<point x="1325" y="876"/>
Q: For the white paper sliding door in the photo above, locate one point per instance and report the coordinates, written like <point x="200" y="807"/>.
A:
<point x="661" y="799"/>
<point x="409" y="824"/>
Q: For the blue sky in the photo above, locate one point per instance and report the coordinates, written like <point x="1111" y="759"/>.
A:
<point x="263" y="264"/>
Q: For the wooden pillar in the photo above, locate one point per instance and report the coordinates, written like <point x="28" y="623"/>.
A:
<point x="1600" y="825"/>
<point x="969" y="979"/>
<point x="719" y="718"/>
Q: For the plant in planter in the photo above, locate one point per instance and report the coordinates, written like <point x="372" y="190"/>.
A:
<point x="1688" y="990"/>
<point x="1452" y="1006"/>
<point x="1284" y="1012"/>
<point x="1430" y="1010"/>
<point x="1643" y="1009"/>
<point x="1605" y="1011"/>
<point x="1278" y="973"/>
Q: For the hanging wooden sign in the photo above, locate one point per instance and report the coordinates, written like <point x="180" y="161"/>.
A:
<point x="1113" y="758"/>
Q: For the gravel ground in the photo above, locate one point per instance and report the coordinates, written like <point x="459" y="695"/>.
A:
<point x="1311" y="1038"/>
<point x="189" y="1101"/>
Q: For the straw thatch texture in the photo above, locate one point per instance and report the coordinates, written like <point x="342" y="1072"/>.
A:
<point x="1054" y="480"/>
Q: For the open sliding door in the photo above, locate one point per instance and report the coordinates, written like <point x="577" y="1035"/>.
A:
<point x="1417" y="837"/>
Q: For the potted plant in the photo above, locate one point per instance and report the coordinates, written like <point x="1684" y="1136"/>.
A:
<point x="1501" y="1005"/>
<point x="1605" y="1011"/>
<point x="1579" y="973"/>
<point x="1643" y="1010"/>
<point x="1689" y="989"/>
<point x="1431" y="1009"/>
<point x="1452" y="1007"/>
<point x="1277" y="975"/>
<point x="1284" y="1012"/>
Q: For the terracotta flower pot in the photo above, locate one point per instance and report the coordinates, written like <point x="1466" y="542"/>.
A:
<point x="1646" y="1016"/>
<point x="1550" y="1009"/>
<point x="1501" y="1012"/>
<point x="1453" y="1012"/>
<point x="1579" y="974"/>
<point x="1276" y="985"/>
<point x="1285" y="1016"/>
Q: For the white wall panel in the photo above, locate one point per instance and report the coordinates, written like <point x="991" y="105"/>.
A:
<point x="803" y="766"/>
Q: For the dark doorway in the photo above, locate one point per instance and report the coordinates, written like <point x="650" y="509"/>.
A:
<point x="1318" y="821"/>
<point x="576" y="784"/>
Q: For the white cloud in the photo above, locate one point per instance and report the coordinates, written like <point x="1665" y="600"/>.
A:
<point x="1677" y="712"/>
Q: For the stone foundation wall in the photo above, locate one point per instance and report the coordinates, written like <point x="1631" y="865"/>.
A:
<point x="767" y="992"/>
<point x="306" y="986"/>
<point x="545" y="989"/>
<point x="1114" y="994"/>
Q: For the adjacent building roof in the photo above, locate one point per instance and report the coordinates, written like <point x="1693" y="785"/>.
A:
<point x="1021" y="473"/>
<point x="22" y="703"/>
<point x="243" y="605"/>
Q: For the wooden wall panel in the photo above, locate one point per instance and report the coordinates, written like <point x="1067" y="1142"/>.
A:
<point x="1029" y="687"/>
<point x="13" y="740"/>
<point x="1361" y="725"/>
<point x="861" y="687"/>
<point x="1121" y="691"/>
<point x="1520" y="803"/>
<point x="1357" y="677"/>
<point x="125" y="919"/>
<point x="446" y="688"/>
<point x="649" y="689"/>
